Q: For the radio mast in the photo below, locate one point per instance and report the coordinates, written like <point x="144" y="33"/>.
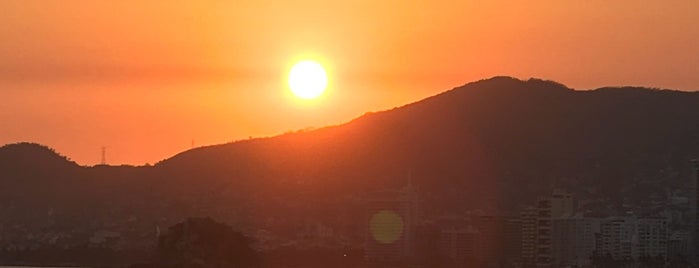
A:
<point x="104" y="155"/>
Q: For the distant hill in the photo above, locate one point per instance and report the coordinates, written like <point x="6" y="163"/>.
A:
<point x="492" y="145"/>
<point x="29" y="170"/>
<point x="24" y="155"/>
<point x="496" y="140"/>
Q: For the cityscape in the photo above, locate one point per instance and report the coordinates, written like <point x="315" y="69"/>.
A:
<point x="349" y="134"/>
<point x="393" y="228"/>
<point x="555" y="231"/>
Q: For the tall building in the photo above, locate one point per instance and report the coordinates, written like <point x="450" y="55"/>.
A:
<point x="652" y="237"/>
<point x="559" y="205"/>
<point x="512" y="234"/>
<point x="543" y="233"/>
<point x="573" y="241"/>
<point x="528" y="220"/>
<point x="562" y="204"/>
<point x="678" y="246"/>
<point x="488" y="237"/>
<point x="631" y="238"/>
<point x="390" y="225"/>
<point x="694" y="204"/>
<point x="618" y="238"/>
<point x="458" y="244"/>
<point x="536" y="227"/>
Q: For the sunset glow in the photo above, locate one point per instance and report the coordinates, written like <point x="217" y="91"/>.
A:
<point x="151" y="76"/>
<point x="362" y="133"/>
<point x="307" y="79"/>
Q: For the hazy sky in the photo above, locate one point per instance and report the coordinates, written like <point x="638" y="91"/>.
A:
<point x="145" y="78"/>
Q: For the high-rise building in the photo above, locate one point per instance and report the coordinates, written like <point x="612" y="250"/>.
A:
<point x="390" y="225"/>
<point x="694" y="204"/>
<point x="652" y="237"/>
<point x="678" y="246"/>
<point x="458" y="244"/>
<point x="528" y="220"/>
<point x="488" y="237"/>
<point x="512" y="234"/>
<point x="633" y="238"/>
<point x="543" y="233"/>
<point x="536" y="227"/>
<point x="562" y="204"/>
<point x="573" y="241"/>
<point x="559" y="205"/>
<point x="618" y="238"/>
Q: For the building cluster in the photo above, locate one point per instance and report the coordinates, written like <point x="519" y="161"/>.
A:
<point x="554" y="235"/>
<point x="549" y="233"/>
<point x="390" y="230"/>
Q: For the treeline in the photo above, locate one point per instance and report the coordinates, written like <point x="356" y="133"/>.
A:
<point x="75" y="256"/>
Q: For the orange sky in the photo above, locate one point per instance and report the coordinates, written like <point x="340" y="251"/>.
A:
<point x="145" y="78"/>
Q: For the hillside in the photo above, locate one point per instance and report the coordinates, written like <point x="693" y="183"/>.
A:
<point x="498" y="140"/>
<point x="491" y="145"/>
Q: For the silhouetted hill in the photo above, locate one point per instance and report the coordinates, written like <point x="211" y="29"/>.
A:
<point x="493" y="145"/>
<point x="26" y="155"/>
<point x="32" y="165"/>
<point x="494" y="140"/>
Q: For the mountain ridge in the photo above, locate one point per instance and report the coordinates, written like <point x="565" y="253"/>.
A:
<point x="461" y="89"/>
<point x="492" y="145"/>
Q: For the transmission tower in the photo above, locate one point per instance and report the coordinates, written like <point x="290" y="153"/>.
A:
<point x="104" y="155"/>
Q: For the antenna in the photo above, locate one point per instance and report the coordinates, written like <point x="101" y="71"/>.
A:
<point x="409" y="185"/>
<point x="104" y="155"/>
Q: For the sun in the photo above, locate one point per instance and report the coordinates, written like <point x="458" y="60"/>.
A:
<point x="307" y="79"/>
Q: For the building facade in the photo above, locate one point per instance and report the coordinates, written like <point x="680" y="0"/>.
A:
<point x="537" y="227"/>
<point x="458" y="244"/>
<point x="652" y="237"/>
<point x="528" y="220"/>
<point x="618" y="238"/>
<point x="573" y="241"/>
<point x="694" y="204"/>
<point x="390" y="225"/>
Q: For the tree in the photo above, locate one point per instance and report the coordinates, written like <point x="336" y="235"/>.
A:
<point x="203" y="242"/>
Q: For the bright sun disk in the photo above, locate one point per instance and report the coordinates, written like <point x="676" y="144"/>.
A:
<point x="307" y="79"/>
